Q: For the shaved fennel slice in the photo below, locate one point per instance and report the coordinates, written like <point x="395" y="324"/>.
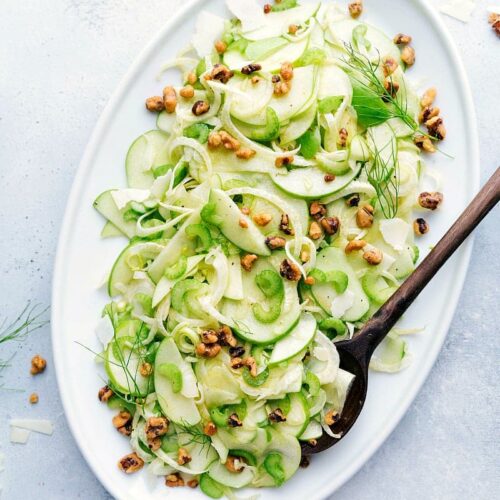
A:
<point x="391" y="355"/>
<point x="325" y="360"/>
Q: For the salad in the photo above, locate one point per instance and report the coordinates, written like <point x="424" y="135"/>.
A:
<point x="269" y="214"/>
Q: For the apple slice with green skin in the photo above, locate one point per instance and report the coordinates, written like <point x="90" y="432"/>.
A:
<point x="309" y="182"/>
<point x="148" y="151"/>
<point x="296" y="340"/>
<point x="122" y="363"/>
<point x="106" y="206"/>
<point x="297" y="417"/>
<point x="237" y="227"/>
<point x="177" y="407"/>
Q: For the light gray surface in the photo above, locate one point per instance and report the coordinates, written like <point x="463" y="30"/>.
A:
<point x="60" y="61"/>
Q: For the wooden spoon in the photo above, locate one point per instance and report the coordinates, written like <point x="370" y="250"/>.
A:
<point x="355" y="354"/>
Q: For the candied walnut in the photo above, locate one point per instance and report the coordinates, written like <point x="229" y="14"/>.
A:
<point x="305" y="461"/>
<point x="131" y="463"/>
<point x="156" y="427"/>
<point x="285" y="225"/>
<point x="391" y="88"/>
<point x="207" y="351"/>
<point x="332" y="417"/>
<point x="214" y="140"/>
<point x="281" y="88"/>
<point x="290" y="271"/>
<point x="329" y="177"/>
<point x="228" y="141"/>
<point x="353" y="200"/>
<point x="234" y="420"/>
<point x="305" y="255"/>
<point x="408" y="55"/>
<point x="286" y="71"/>
<point x="220" y="46"/>
<point x="277" y="416"/>
<point x="154" y="444"/>
<point x="191" y="78"/>
<point x="428" y="97"/>
<point x="275" y="242"/>
<point x="427" y="113"/>
<point x="193" y="483"/>
<point x="420" y="226"/>
<point x="364" y="216"/>
<point x="187" y="92"/>
<point x="402" y="39"/>
<point x="251" y="364"/>
<point x="389" y="66"/>
<point x="310" y="281"/>
<point x="169" y="99"/>
<point x="38" y="365"/>
<point x="315" y="232"/>
<point x="267" y="8"/>
<point x="436" y="128"/>
<point x="34" y="398"/>
<point x="236" y="363"/>
<point x="209" y="429"/>
<point x="262" y="219"/>
<point x="343" y="136"/>
<point x="234" y="464"/>
<point x="251" y="68"/>
<point x="247" y="261"/>
<point x="245" y="153"/>
<point x="245" y="210"/>
<point x="496" y="25"/>
<point x="104" y="394"/>
<point x="317" y="210"/>
<point x="424" y="143"/>
<point x="356" y="8"/>
<point x="183" y="457"/>
<point x="313" y="442"/>
<point x="237" y="351"/>
<point x="355" y="245"/>
<point x="226" y="336"/>
<point x="255" y="80"/>
<point x="283" y="161"/>
<point x="146" y="369"/>
<point x="330" y="225"/>
<point x="200" y="108"/>
<point x="373" y="256"/>
<point x="430" y="200"/>
<point x="155" y="103"/>
<point x="243" y="223"/>
<point x="209" y="337"/>
<point x="292" y="29"/>
<point x="174" y="480"/>
<point x="221" y="73"/>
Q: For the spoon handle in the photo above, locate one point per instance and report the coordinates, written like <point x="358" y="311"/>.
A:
<point x="381" y="323"/>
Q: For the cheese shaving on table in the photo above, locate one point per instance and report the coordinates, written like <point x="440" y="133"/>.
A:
<point x="458" y="9"/>
<point x="36" y="425"/>
<point x="19" y="436"/>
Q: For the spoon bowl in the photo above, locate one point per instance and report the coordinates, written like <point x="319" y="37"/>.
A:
<point x="355" y="354"/>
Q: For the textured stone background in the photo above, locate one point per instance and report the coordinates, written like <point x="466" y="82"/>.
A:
<point x="60" y="60"/>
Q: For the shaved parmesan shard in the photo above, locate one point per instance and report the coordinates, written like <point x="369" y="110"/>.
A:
<point x="249" y="12"/>
<point x="19" y="436"/>
<point x="459" y="9"/>
<point x="104" y="331"/>
<point x="41" y="426"/>
<point x="123" y="196"/>
<point x="395" y="232"/>
<point x="209" y="28"/>
<point x="342" y="303"/>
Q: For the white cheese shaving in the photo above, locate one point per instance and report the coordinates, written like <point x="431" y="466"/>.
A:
<point x="123" y="196"/>
<point x="395" y="232"/>
<point x="341" y="304"/>
<point x="458" y="9"/>
<point x="249" y="12"/>
<point x="104" y="331"/>
<point x="209" y="28"/>
<point x="41" y="426"/>
<point x="18" y="435"/>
